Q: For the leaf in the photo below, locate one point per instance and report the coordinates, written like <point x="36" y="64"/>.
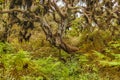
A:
<point x="98" y="54"/>
<point x="113" y="63"/>
<point x="56" y="64"/>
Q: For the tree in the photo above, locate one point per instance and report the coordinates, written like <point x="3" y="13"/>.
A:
<point x="94" y="12"/>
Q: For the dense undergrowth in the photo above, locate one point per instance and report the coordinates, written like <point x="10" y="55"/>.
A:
<point x="97" y="59"/>
<point x="18" y="64"/>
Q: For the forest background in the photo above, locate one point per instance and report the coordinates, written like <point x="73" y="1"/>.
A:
<point x="59" y="40"/>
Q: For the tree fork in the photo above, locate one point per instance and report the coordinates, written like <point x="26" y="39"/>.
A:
<point x="57" y="41"/>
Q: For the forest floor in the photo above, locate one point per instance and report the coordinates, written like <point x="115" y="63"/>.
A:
<point x="38" y="60"/>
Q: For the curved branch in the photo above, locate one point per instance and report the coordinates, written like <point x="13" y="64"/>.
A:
<point x="57" y="41"/>
<point x="59" y="11"/>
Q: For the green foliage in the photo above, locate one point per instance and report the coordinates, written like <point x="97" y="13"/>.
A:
<point x="112" y="63"/>
<point x="74" y="31"/>
<point x="111" y="55"/>
<point x="21" y="65"/>
<point x="5" y="48"/>
<point x="78" y="22"/>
